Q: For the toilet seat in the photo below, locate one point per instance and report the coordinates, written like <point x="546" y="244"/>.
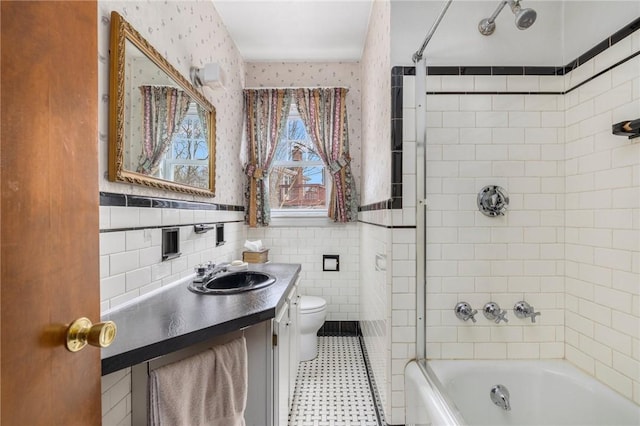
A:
<point x="312" y="304"/>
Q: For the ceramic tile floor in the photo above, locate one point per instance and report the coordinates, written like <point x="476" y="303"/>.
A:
<point x="333" y="389"/>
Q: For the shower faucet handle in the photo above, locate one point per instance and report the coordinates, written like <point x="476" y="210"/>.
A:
<point x="523" y="310"/>
<point x="464" y="311"/>
<point x="493" y="313"/>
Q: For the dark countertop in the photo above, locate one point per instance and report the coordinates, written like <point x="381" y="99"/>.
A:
<point x="176" y="318"/>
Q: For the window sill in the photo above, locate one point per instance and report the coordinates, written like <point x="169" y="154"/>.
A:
<point x="301" y="221"/>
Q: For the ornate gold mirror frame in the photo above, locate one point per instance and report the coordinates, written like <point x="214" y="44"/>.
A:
<point x="123" y="34"/>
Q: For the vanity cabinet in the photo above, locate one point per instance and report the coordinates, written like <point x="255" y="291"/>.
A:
<point x="176" y="323"/>
<point x="259" y="365"/>
<point x="286" y="355"/>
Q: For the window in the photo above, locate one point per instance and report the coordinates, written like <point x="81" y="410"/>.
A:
<point x="187" y="159"/>
<point x="297" y="179"/>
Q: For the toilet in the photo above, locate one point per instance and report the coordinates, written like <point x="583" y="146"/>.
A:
<point x="313" y="311"/>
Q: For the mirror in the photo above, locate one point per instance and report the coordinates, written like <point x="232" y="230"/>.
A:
<point x="161" y="129"/>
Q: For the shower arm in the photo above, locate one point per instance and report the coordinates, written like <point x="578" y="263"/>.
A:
<point x="514" y="4"/>
<point x="495" y="14"/>
<point x="417" y="56"/>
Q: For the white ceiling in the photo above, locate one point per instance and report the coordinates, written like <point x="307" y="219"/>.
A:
<point x="335" y="30"/>
<point x="564" y="30"/>
<point x="297" y="30"/>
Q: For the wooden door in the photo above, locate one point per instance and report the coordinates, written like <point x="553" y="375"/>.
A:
<point x="49" y="258"/>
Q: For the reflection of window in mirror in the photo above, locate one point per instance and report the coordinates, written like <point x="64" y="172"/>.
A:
<point x="187" y="160"/>
<point x="161" y="129"/>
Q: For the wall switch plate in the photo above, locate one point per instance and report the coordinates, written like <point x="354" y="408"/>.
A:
<point x="330" y="262"/>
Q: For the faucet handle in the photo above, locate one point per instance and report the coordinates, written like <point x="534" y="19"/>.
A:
<point x="501" y="316"/>
<point x="533" y="315"/>
<point x="523" y="310"/>
<point x="493" y="313"/>
<point x="464" y="311"/>
<point x="200" y="269"/>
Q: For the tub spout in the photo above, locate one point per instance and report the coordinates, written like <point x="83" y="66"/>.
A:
<point x="500" y="397"/>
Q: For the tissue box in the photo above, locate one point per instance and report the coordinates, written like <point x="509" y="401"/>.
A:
<point x="261" y="256"/>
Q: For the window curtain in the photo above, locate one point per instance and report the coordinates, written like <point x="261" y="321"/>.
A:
<point x="324" y="113"/>
<point x="164" y="108"/>
<point x="266" y="112"/>
<point x="203" y="115"/>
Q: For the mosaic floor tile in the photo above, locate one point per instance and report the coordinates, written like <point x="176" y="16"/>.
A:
<point x="333" y="389"/>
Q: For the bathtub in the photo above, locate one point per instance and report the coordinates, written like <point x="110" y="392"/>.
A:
<point x="541" y="393"/>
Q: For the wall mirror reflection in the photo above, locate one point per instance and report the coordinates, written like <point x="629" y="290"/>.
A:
<point x="161" y="129"/>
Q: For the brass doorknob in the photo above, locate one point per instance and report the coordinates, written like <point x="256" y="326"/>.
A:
<point x="82" y="331"/>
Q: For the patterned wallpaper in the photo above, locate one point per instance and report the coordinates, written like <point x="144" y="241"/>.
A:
<point x="376" y="111"/>
<point x="317" y="74"/>
<point x="187" y="33"/>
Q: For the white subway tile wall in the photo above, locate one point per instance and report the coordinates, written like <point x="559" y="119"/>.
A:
<point x="570" y="241"/>
<point x="131" y="261"/>
<point x="495" y="140"/>
<point x="306" y="245"/>
<point x="116" y="398"/>
<point x="376" y="299"/>
<point x="403" y="309"/>
<point x="602" y="238"/>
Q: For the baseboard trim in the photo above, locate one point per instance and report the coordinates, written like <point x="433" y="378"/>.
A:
<point x="340" y="328"/>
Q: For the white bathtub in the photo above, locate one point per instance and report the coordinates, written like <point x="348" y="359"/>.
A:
<point x="541" y="393"/>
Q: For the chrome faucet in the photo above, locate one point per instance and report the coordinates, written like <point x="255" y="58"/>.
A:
<point x="464" y="311"/>
<point x="493" y="313"/>
<point x="500" y="397"/>
<point x="523" y="310"/>
<point x="207" y="270"/>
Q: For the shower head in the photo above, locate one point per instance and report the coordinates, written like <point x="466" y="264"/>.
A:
<point x="524" y="17"/>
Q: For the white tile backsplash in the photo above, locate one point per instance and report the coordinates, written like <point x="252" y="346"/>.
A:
<point x="306" y="245"/>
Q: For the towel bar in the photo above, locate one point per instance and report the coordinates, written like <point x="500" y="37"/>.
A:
<point x="203" y="229"/>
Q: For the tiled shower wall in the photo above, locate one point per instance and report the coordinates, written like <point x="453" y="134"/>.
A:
<point x="602" y="237"/>
<point x="569" y="243"/>
<point x="516" y="142"/>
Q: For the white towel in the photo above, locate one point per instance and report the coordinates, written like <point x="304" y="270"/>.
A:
<point x="209" y="388"/>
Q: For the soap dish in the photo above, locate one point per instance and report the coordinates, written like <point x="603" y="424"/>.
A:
<point x="238" y="265"/>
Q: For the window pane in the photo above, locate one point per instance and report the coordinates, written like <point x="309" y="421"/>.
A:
<point x="295" y="129"/>
<point x="191" y="175"/>
<point x="188" y="141"/>
<point x="297" y="188"/>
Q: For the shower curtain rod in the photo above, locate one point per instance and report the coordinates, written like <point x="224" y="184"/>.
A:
<point x="417" y="56"/>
